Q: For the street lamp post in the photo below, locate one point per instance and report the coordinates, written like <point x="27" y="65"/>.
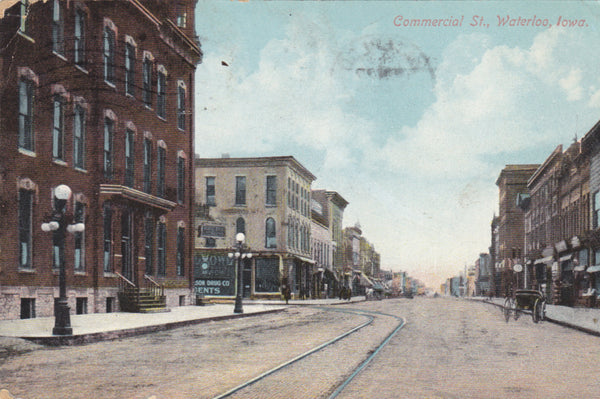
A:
<point x="241" y="252"/>
<point x="58" y="226"/>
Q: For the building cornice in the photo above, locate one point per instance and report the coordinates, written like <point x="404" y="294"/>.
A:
<point x="255" y="162"/>
<point x="542" y="169"/>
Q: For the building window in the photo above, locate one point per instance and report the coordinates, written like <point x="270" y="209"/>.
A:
<point x="147" y="165"/>
<point x="110" y="304"/>
<point x="181" y="106"/>
<point x="160" y="169"/>
<point x="162" y="253"/>
<point x="129" y="69"/>
<point x="180" y="180"/>
<point x="270" y="236"/>
<point x="267" y="275"/>
<point x="27" y="308"/>
<point x="161" y="90"/>
<point x="271" y="196"/>
<point x="596" y="212"/>
<point x="58" y="28"/>
<point x="181" y="16"/>
<point x="210" y="191"/>
<point x="79" y="137"/>
<point x="129" y="157"/>
<point x="180" y="251"/>
<point x="126" y="247"/>
<point x="240" y="226"/>
<point x="79" y="39"/>
<point x="289" y="233"/>
<point x="108" y="248"/>
<point x="24" y="12"/>
<point x="109" y="55"/>
<point x="109" y="128"/>
<point x="26" y="114"/>
<point x="149" y="243"/>
<point x="81" y="305"/>
<point x="147" y="82"/>
<point x="25" y="228"/>
<point x="79" y="217"/>
<point x="240" y="190"/>
<point x="58" y="128"/>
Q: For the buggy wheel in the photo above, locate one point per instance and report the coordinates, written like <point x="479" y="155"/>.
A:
<point x="536" y="311"/>
<point x="507" y="309"/>
<point x="542" y="310"/>
<point x="517" y="312"/>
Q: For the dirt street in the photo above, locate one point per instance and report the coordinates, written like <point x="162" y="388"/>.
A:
<point x="453" y="348"/>
<point x="449" y="348"/>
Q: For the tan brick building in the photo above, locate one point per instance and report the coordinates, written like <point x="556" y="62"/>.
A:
<point x="266" y="198"/>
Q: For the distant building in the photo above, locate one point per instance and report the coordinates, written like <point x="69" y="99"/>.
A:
<point x="336" y="205"/>
<point x="483" y="274"/>
<point x="512" y="186"/>
<point x="327" y="215"/>
<point x="269" y="200"/>
<point x="495" y="273"/>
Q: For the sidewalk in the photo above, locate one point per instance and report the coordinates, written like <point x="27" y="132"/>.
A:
<point x="104" y="326"/>
<point x="583" y="319"/>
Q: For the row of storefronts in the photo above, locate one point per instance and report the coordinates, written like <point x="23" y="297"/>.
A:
<point x="547" y="234"/>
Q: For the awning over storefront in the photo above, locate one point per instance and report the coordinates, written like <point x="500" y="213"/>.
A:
<point x="579" y="268"/>
<point x="593" y="269"/>
<point x="566" y="257"/>
<point x="332" y="274"/>
<point x="547" y="259"/>
<point x="377" y="286"/>
<point x="304" y="259"/>
<point x="364" y="281"/>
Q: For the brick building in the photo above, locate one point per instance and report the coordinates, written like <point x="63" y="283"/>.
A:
<point x="591" y="147"/>
<point x="512" y="185"/>
<point x="266" y="198"/>
<point x="97" y="95"/>
<point x="327" y="218"/>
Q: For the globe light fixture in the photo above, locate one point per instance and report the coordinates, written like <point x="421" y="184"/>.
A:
<point x="241" y="252"/>
<point x="58" y="226"/>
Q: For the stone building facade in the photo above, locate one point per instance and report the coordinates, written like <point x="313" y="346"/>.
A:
<point x="266" y="198"/>
<point x="97" y="95"/>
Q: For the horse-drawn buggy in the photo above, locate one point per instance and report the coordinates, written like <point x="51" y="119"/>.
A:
<point x="530" y="300"/>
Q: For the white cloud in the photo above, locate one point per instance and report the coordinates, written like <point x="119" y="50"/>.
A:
<point x="292" y="100"/>
<point x="499" y="99"/>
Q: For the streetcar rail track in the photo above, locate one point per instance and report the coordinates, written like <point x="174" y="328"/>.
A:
<point x="365" y="313"/>
<point x="368" y="360"/>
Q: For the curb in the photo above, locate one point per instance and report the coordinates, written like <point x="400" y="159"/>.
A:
<point x="81" y="339"/>
<point x="558" y="322"/>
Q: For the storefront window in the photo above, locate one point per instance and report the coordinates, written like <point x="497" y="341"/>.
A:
<point x="267" y="275"/>
<point x="583" y="257"/>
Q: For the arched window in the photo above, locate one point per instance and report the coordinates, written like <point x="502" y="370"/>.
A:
<point x="270" y="236"/>
<point x="240" y="225"/>
<point x="109" y="39"/>
<point x="296" y="240"/>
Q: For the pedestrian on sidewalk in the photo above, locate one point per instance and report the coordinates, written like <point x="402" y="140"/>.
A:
<point x="286" y="293"/>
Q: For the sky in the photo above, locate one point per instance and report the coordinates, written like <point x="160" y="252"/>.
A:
<point x="411" y="123"/>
